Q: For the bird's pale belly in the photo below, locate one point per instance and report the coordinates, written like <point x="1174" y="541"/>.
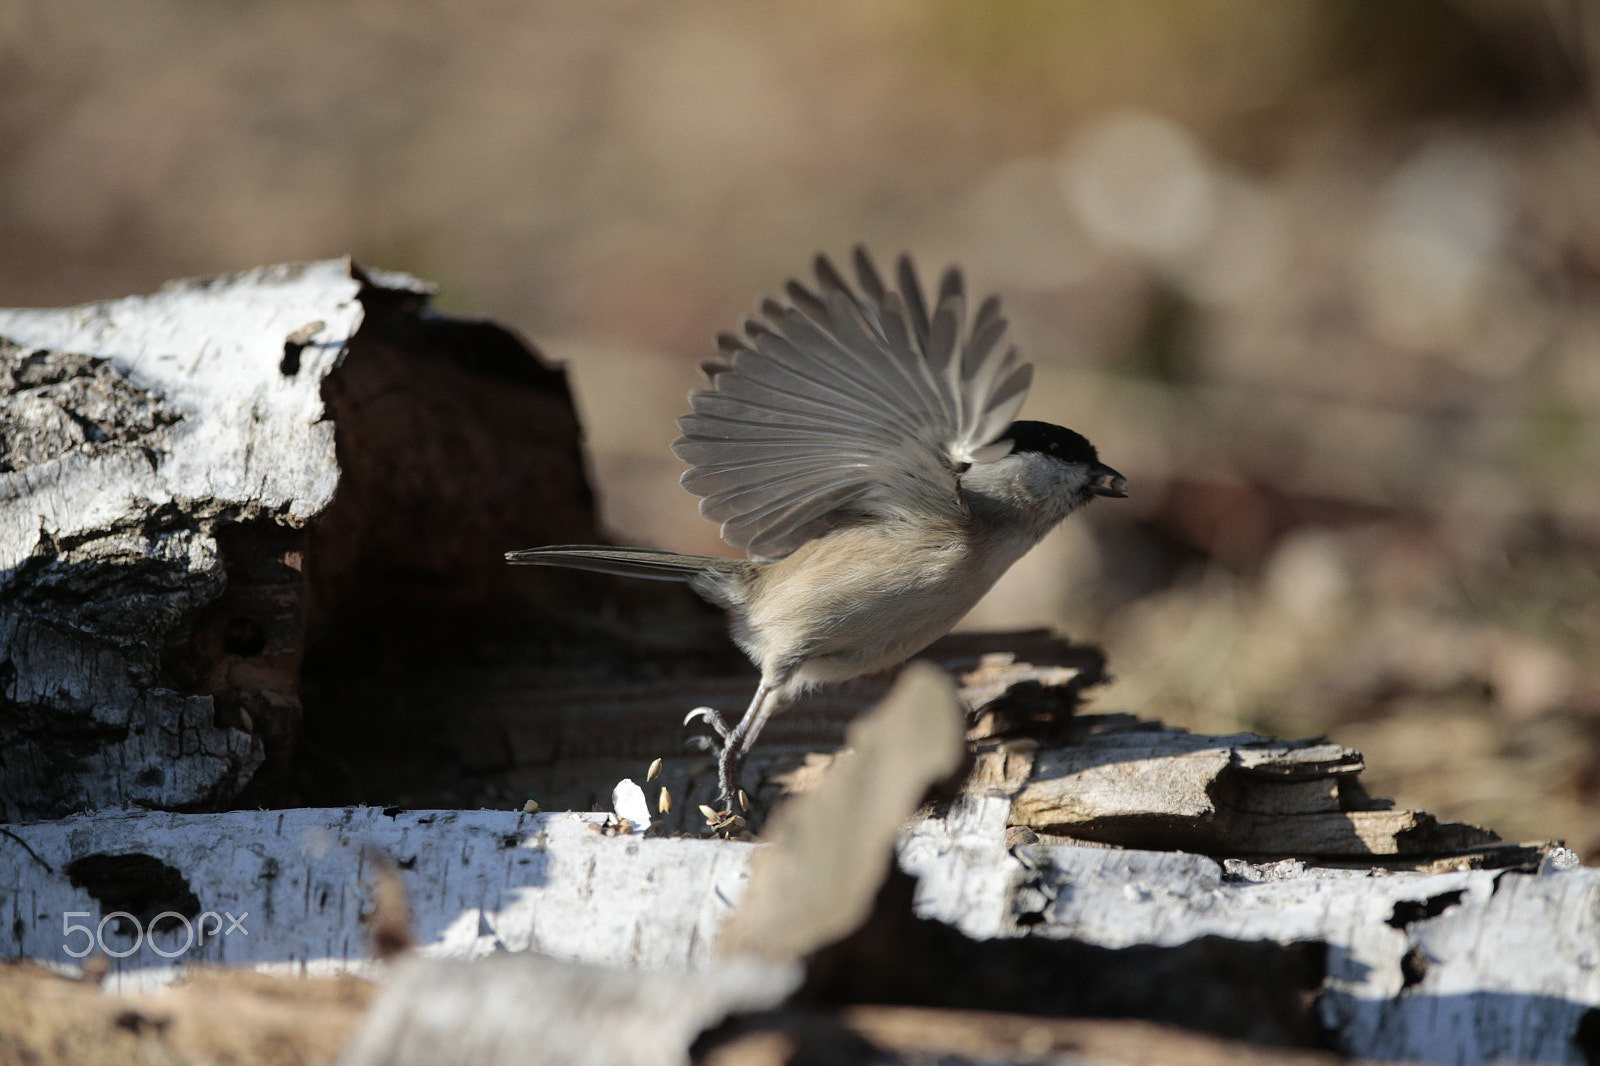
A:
<point x="843" y="660"/>
<point x="872" y="615"/>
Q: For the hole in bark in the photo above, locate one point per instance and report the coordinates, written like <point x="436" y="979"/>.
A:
<point x="1413" y="968"/>
<point x="1587" y="1037"/>
<point x="1407" y="911"/>
<point x="294" y="344"/>
<point x="141" y="885"/>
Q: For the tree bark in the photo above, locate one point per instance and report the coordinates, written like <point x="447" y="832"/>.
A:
<point x="214" y="496"/>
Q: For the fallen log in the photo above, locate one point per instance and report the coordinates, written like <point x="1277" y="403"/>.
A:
<point x="1472" y="965"/>
<point x="239" y="494"/>
<point x="186" y="604"/>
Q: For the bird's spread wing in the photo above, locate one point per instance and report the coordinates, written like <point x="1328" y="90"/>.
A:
<point x="868" y="402"/>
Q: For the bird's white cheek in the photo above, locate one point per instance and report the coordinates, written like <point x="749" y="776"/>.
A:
<point x="1051" y="481"/>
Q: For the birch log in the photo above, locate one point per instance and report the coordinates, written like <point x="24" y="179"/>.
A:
<point x="1470" y="966"/>
<point x="141" y="436"/>
<point x="1465" y="965"/>
<point x="195" y="483"/>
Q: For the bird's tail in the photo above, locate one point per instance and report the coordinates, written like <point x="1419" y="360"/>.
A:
<point x="628" y="562"/>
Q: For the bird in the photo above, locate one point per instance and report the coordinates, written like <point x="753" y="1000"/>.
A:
<point x="859" y="444"/>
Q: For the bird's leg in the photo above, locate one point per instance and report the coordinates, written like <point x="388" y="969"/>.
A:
<point x="742" y="739"/>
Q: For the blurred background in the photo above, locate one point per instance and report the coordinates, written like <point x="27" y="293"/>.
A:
<point x="1323" y="280"/>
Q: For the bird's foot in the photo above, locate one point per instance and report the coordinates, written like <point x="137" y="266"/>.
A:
<point x="716" y="746"/>
<point x="731" y="802"/>
<point x="712" y="717"/>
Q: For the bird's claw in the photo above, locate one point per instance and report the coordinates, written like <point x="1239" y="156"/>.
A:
<point x="712" y="718"/>
<point x="729" y="796"/>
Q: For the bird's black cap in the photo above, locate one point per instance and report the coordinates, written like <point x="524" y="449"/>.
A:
<point x="1047" y="439"/>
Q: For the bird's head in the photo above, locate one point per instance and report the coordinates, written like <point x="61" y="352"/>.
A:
<point x="1049" y="472"/>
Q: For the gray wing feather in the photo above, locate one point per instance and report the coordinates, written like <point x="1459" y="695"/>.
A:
<point x="860" y="400"/>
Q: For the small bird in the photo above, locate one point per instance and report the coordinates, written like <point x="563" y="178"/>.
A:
<point x="860" y="447"/>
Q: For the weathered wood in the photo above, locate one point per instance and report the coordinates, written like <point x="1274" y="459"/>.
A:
<point x="1466" y="966"/>
<point x="1471" y="966"/>
<point x="1109" y="778"/>
<point x="196" y="484"/>
<point x="138" y="431"/>
<point x="526" y="1009"/>
<point x="212" y="1016"/>
<point x="300" y="881"/>
<point x="816" y="882"/>
<point x="566" y="742"/>
<point x="1135" y="784"/>
<point x="812" y="885"/>
<point x="910" y="1032"/>
<point x="246" y="1018"/>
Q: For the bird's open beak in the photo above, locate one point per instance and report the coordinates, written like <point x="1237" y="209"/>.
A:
<point x="1107" y="482"/>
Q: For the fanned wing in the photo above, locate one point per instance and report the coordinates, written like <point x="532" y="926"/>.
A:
<point x="841" y="400"/>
